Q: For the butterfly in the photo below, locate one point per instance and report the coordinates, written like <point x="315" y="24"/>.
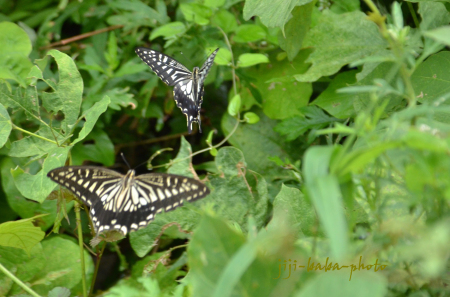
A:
<point x="126" y="202"/>
<point x="188" y="86"/>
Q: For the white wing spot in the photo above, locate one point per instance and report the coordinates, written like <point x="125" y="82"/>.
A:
<point x="113" y="221"/>
<point x="160" y="194"/>
<point x="134" y="226"/>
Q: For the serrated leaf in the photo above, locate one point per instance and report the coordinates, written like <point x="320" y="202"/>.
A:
<point x="339" y="40"/>
<point x="91" y="116"/>
<point x="272" y="13"/>
<point x="314" y="118"/>
<point x="67" y="94"/>
<point x="21" y="234"/>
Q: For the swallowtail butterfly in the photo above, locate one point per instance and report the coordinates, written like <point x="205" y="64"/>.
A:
<point x="188" y="90"/>
<point x="126" y="202"/>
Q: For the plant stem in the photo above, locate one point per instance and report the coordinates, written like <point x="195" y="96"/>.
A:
<point x="232" y="60"/>
<point x="32" y="134"/>
<point x="18" y="281"/>
<point x="97" y="265"/>
<point x="80" y="243"/>
<point x="413" y="14"/>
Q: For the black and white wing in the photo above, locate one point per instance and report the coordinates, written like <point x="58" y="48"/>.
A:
<point x="188" y="90"/>
<point x="126" y="202"/>
<point x="168" y="69"/>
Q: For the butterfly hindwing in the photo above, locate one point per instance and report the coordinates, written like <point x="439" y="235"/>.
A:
<point x="188" y="86"/>
<point x="126" y="202"/>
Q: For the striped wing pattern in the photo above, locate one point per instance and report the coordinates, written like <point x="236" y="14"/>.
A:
<point x="188" y="86"/>
<point x="126" y="202"/>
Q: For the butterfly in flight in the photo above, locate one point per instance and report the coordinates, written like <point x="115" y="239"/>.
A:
<point x="188" y="86"/>
<point x="126" y="202"/>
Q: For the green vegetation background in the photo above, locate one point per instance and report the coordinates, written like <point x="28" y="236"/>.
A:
<point x="325" y="136"/>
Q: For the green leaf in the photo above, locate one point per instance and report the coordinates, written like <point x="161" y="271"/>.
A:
<point x="111" y="55"/>
<point x="197" y="13"/>
<point x="339" y="105"/>
<point x="367" y="283"/>
<point x="247" y="60"/>
<point x="273" y="13"/>
<point x="21" y="234"/>
<point x="140" y="12"/>
<point x="314" y="118"/>
<point x="223" y="57"/>
<point x="226" y="161"/>
<point x="182" y="165"/>
<point x="20" y="99"/>
<point x="251" y="117"/>
<point x="5" y="125"/>
<point x="249" y="33"/>
<point x="295" y="30"/>
<point x="339" y="40"/>
<point x="169" y="30"/>
<point x="59" y="292"/>
<point x="325" y="194"/>
<point x="225" y="20"/>
<point x="430" y="80"/>
<point x="67" y="94"/>
<point x="16" y="46"/>
<point x="434" y="15"/>
<point x="214" y="3"/>
<point x="64" y="269"/>
<point x="37" y="187"/>
<point x="440" y="34"/>
<point x="235" y="105"/>
<point x="91" y="116"/>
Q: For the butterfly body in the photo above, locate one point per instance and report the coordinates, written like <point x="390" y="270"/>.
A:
<point x="188" y="86"/>
<point x="126" y="202"/>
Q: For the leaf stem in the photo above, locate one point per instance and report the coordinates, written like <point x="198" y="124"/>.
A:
<point x="18" y="281"/>
<point x="80" y="243"/>
<point x="97" y="265"/>
<point x="33" y="134"/>
<point x="232" y="60"/>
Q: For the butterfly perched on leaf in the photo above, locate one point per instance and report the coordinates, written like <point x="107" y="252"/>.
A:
<point x="188" y="86"/>
<point x="126" y="202"/>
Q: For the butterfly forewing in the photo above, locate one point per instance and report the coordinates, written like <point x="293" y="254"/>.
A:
<point x="126" y="202"/>
<point x="188" y="90"/>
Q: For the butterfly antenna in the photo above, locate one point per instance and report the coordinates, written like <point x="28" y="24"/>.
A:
<point x="125" y="160"/>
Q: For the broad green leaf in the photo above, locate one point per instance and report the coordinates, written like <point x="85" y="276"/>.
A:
<point x="64" y="269"/>
<point x="23" y="207"/>
<point x="194" y="12"/>
<point x="441" y="34"/>
<point x="235" y="105"/>
<point x="295" y="30"/>
<point x="273" y="13"/>
<point x="21" y="234"/>
<point x="16" y="46"/>
<point x="325" y="194"/>
<point x="247" y="60"/>
<point x="339" y="105"/>
<point x="169" y="30"/>
<point x="67" y="94"/>
<point x="91" y="116"/>
<point x="431" y="79"/>
<point x="59" y="292"/>
<point x="225" y="20"/>
<point x="249" y="33"/>
<point x="313" y="118"/>
<point x="227" y="160"/>
<point x="23" y="99"/>
<point x="257" y="143"/>
<point x="434" y="15"/>
<point x="339" y="40"/>
<point x="343" y="6"/>
<point x="367" y="283"/>
<point x="5" y="125"/>
<point x="37" y="187"/>
<point x="295" y="210"/>
<point x="141" y="11"/>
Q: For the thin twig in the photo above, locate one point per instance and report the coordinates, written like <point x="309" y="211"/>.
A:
<point x="81" y="36"/>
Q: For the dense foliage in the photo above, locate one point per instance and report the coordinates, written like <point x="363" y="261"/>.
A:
<point x="325" y="145"/>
